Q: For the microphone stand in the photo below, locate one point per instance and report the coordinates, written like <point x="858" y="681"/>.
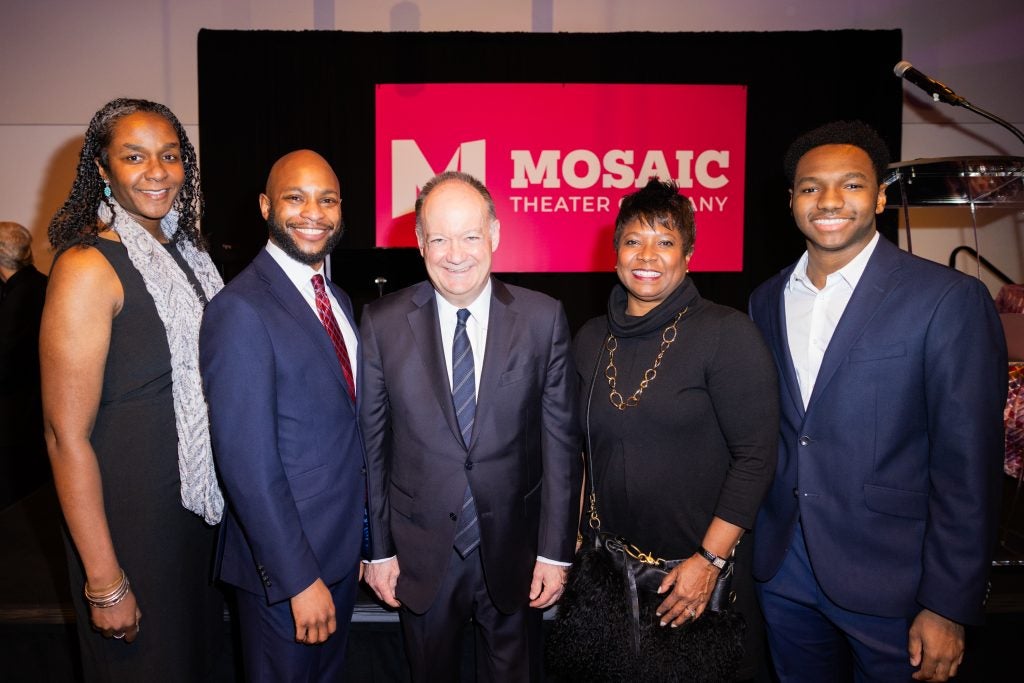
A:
<point x="962" y="102"/>
<point x="941" y="93"/>
<point x="992" y="117"/>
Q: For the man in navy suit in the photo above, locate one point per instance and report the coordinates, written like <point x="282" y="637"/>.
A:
<point x="468" y="408"/>
<point x="874" y="544"/>
<point x="278" y="353"/>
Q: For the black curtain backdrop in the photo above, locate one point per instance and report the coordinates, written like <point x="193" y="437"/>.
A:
<point x="265" y="93"/>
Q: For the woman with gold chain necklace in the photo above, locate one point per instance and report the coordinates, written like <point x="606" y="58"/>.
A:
<point x="680" y="395"/>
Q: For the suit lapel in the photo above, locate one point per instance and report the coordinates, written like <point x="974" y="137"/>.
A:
<point x="500" y="324"/>
<point x="282" y="290"/>
<point x="880" y="276"/>
<point x="426" y="331"/>
<point x="780" y="340"/>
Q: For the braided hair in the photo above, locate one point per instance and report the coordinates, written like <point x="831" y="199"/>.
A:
<point x="76" y="221"/>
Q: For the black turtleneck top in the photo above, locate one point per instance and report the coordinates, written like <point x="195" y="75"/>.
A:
<point x="702" y="440"/>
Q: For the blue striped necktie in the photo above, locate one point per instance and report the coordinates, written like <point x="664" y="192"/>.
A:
<point x="467" y="534"/>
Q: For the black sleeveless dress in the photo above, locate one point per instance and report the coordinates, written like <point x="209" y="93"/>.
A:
<point x="165" y="550"/>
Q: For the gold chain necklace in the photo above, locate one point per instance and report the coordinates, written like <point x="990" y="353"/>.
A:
<point x="611" y="372"/>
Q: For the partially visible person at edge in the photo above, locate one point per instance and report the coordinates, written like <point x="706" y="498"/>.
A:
<point x="873" y="547"/>
<point x="680" y="466"/>
<point x="22" y="292"/>
<point x="124" y="413"/>
<point x="288" y="447"/>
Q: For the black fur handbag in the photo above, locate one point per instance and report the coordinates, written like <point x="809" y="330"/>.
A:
<point x="605" y="627"/>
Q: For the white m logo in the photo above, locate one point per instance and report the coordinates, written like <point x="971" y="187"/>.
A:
<point x="410" y="170"/>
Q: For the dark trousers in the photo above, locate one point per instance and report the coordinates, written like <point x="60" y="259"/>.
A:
<point x="269" y="651"/>
<point x="507" y="645"/>
<point x="815" y="640"/>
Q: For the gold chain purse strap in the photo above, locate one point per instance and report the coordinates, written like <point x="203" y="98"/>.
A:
<point x="611" y="344"/>
<point x="594" y="521"/>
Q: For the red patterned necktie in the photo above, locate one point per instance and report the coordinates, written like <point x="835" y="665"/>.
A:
<point x="323" y="307"/>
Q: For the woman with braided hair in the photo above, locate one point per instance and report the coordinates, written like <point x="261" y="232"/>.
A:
<point x="124" y="413"/>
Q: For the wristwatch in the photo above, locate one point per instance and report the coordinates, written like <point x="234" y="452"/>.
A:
<point x="719" y="562"/>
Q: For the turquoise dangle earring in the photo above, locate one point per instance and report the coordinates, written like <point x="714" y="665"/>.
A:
<point x="106" y="188"/>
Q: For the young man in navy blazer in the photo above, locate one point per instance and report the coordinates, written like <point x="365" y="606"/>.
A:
<point x="875" y="541"/>
<point x="278" y="352"/>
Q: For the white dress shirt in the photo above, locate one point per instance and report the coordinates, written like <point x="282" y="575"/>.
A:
<point x="812" y="314"/>
<point x="476" y="330"/>
<point x="301" y="276"/>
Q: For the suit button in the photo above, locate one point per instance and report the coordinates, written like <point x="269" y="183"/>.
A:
<point x="469" y="464"/>
<point x="451" y="516"/>
<point x="362" y="471"/>
<point x="804" y="440"/>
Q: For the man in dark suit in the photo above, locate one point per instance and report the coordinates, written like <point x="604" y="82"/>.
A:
<point x="473" y="451"/>
<point x="278" y="350"/>
<point x="875" y="541"/>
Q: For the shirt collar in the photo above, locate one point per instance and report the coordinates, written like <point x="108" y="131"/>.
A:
<point x="479" y="309"/>
<point x="851" y="272"/>
<point x="300" y="274"/>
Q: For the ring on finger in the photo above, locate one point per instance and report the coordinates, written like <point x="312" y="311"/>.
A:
<point x="693" y="613"/>
<point x="119" y="635"/>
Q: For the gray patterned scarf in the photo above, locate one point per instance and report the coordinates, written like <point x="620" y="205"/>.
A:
<point x="181" y="311"/>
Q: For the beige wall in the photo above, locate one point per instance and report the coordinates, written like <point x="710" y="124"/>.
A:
<point x="62" y="59"/>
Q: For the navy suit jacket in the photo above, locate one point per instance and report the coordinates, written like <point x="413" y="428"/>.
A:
<point x="894" y="467"/>
<point x="285" y="436"/>
<point x="523" y="461"/>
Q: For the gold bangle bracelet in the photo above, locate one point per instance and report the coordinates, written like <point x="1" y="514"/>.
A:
<point x="106" y="589"/>
<point x="110" y="597"/>
<point x="104" y="601"/>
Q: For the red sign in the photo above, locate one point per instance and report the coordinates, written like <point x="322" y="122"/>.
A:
<point x="558" y="158"/>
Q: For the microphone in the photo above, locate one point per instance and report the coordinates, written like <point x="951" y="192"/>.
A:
<point x="940" y="92"/>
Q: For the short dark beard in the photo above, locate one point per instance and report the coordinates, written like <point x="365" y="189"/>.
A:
<point x="279" y="235"/>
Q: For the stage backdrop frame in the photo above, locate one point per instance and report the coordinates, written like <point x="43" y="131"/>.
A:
<point x="264" y="93"/>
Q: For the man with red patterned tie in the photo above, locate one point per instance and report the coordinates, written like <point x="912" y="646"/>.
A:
<point x="278" y="354"/>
